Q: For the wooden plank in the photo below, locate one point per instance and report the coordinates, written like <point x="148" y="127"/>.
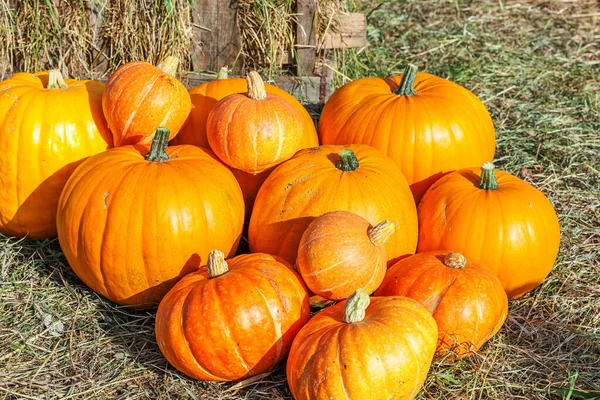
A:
<point x="306" y="37"/>
<point x="350" y="32"/>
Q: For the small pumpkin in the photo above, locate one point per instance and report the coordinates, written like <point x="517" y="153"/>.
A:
<point x="48" y="126"/>
<point x="466" y="299"/>
<point x="234" y="319"/>
<point x="354" y="178"/>
<point x="139" y="98"/>
<point x="363" y="348"/>
<point x="132" y="225"/>
<point x="341" y="252"/>
<point x="428" y="125"/>
<point x="255" y="131"/>
<point x="495" y="218"/>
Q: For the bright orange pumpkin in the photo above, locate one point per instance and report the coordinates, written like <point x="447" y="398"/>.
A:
<point x="234" y="319"/>
<point x="466" y="299"/>
<point x="341" y="252"/>
<point x="355" y="178"/>
<point x="139" y="98"/>
<point x="250" y="185"/>
<point x="255" y="131"/>
<point x="131" y="226"/>
<point x="48" y="126"/>
<point x="428" y="125"/>
<point x="496" y="219"/>
<point x="357" y="350"/>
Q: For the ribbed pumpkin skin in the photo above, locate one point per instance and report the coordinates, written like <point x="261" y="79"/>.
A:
<point x="44" y="135"/>
<point x="512" y="230"/>
<point x="442" y="128"/>
<point x="139" y="98"/>
<point x="233" y="326"/>
<point x="309" y="185"/>
<point x="469" y="304"/>
<point x="130" y="228"/>
<point x="385" y="356"/>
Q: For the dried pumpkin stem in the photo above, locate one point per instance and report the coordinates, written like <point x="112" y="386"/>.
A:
<point x="488" y="177"/>
<point x="356" y="304"/>
<point x="216" y="264"/>
<point x="380" y="233"/>
<point x="169" y="65"/>
<point x="348" y="161"/>
<point x="407" y="84"/>
<point x="223" y="73"/>
<point x="256" y="86"/>
<point x="158" y="149"/>
<point x="55" y="80"/>
<point x="455" y="260"/>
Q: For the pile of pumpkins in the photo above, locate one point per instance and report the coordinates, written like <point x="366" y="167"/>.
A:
<point x="403" y="167"/>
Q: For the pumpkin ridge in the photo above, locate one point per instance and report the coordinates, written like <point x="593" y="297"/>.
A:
<point x="276" y="323"/>
<point x="442" y="294"/>
<point x="148" y="89"/>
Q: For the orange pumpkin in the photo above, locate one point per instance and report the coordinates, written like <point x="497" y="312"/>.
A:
<point x="139" y="98"/>
<point x="495" y="218"/>
<point x="357" y="350"/>
<point x="466" y="299"/>
<point x="341" y="252"/>
<point x="428" y="125"/>
<point x="250" y="185"/>
<point x="131" y="226"/>
<point x="48" y="126"/>
<point x="254" y="132"/>
<point x="355" y="178"/>
<point x="233" y="320"/>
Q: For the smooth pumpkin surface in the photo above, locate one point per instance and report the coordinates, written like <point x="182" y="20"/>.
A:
<point x="45" y="132"/>
<point x="341" y="252"/>
<point x="318" y="180"/>
<point x="496" y="219"/>
<point x="131" y="227"/>
<point x="357" y="350"/>
<point x="139" y="98"/>
<point x="429" y="126"/>
<point x="250" y="185"/>
<point x="234" y="319"/>
<point x="466" y="299"/>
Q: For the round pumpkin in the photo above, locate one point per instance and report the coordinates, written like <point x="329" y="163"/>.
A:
<point x="466" y="299"/>
<point x="139" y="98"/>
<point x="428" y="125"/>
<point x="363" y="348"/>
<point x="234" y="319"/>
<point x="255" y="131"/>
<point x="341" y="252"/>
<point x="496" y="219"/>
<point x="48" y="126"/>
<point x="354" y="178"/>
<point x="131" y="226"/>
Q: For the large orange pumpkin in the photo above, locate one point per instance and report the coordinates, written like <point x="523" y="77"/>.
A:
<point x="496" y="219"/>
<point x="355" y="178"/>
<point x="139" y="98"/>
<point x="428" y="125"/>
<point x="131" y="226"/>
<point x="47" y="127"/>
<point x="466" y="300"/>
<point x="233" y="320"/>
<point x="357" y="350"/>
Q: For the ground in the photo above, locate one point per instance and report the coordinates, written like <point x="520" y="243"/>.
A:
<point x="536" y="66"/>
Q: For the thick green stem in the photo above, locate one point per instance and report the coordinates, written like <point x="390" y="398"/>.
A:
<point x="158" y="149"/>
<point x="380" y="233"/>
<point x="348" y="161"/>
<point x="356" y="305"/>
<point x="256" y="86"/>
<point x="407" y="84"/>
<point x="216" y="264"/>
<point x="455" y="260"/>
<point x="55" y="80"/>
<point x="223" y="73"/>
<point x="169" y="65"/>
<point x="488" y="177"/>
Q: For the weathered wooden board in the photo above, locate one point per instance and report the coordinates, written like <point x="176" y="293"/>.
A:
<point x="351" y="32"/>
<point x="306" y="37"/>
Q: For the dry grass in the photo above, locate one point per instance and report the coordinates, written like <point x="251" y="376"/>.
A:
<point x="536" y="65"/>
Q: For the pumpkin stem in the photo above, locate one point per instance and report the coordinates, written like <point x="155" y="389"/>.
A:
<point x="380" y="233"/>
<point x="216" y="264"/>
<point x="223" y="73"/>
<point x="256" y="86"/>
<point x="455" y="260"/>
<point x="407" y="84"/>
<point x="158" y="149"/>
<point x="356" y="304"/>
<point x="348" y="161"/>
<point x="488" y="177"/>
<point x="55" y="80"/>
<point x="169" y="65"/>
